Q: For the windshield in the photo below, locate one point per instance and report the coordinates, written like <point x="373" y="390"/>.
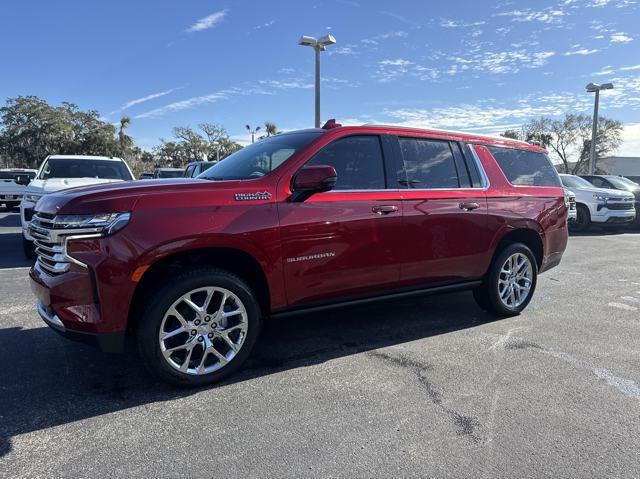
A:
<point x="12" y="175"/>
<point x="623" y="183"/>
<point x="575" y="182"/>
<point x="170" y="174"/>
<point x="259" y="159"/>
<point x="84" y="168"/>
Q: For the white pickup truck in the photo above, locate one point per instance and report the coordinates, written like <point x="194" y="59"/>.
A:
<point x="60" y="172"/>
<point x="599" y="206"/>
<point x="11" y="192"/>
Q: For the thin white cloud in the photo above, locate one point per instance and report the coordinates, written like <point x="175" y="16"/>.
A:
<point x="146" y="98"/>
<point x="209" y="21"/>
<point x="582" y="51"/>
<point x="287" y="84"/>
<point x="183" y="105"/>
<point x="448" y="23"/>
<point x="547" y="15"/>
<point x="264" y="25"/>
<point x="620" y="38"/>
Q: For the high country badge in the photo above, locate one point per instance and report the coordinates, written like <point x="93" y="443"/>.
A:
<point x="260" y="195"/>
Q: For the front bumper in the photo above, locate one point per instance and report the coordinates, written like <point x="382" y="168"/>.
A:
<point x="107" y="342"/>
<point x="10" y="198"/>
<point x="606" y="215"/>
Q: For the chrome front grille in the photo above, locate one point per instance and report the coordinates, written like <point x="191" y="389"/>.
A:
<point x="50" y="248"/>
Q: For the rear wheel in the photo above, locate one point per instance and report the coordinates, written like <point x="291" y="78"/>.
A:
<point x="510" y="283"/>
<point x="583" y="219"/>
<point x="200" y="328"/>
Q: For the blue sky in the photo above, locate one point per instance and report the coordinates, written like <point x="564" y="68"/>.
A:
<point x="478" y="66"/>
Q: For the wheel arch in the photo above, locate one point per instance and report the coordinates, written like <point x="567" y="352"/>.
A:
<point x="530" y="236"/>
<point x="232" y="259"/>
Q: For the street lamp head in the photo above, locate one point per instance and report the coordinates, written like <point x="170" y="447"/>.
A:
<point x="594" y="87"/>
<point x="327" y="40"/>
<point x="307" y="41"/>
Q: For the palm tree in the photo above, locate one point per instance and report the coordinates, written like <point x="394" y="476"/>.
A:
<point x="270" y="128"/>
<point x="125" y="140"/>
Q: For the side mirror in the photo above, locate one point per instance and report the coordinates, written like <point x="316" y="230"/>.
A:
<point x="23" y="180"/>
<point x="313" y="179"/>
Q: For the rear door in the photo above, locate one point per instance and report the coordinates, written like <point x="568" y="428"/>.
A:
<point x="346" y="241"/>
<point x="445" y="236"/>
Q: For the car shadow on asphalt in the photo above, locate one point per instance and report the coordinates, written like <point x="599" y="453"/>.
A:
<point x="11" y="254"/>
<point x="595" y="231"/>
<point x="47" y="380"/>
<point x="10" y="220"/>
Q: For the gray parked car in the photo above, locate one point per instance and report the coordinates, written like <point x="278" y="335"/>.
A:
<point x="197" y="167"/>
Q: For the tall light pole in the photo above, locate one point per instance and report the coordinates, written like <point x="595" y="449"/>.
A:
<point x="253" y="132"/>
<point x="595" y="88"/>
<point x="319" y="45"/>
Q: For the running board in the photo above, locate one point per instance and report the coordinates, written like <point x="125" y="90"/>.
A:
<point x="324" y="305"/>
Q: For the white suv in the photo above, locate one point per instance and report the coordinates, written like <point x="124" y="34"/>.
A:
<point x="60" y="172"/>
<point x="599" y="206"/>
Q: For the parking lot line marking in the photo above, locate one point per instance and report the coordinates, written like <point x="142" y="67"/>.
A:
<point x="630" y="298"/>
<point x="625" y="386"/>
<point x="626" y="307"/>
<point x="15" y="269"/>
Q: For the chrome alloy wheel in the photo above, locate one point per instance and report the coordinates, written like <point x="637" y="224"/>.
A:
<point x="203" y="330"/>
<point x="515" y="280"/>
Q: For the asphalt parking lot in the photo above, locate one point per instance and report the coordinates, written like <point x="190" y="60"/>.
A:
<point x="420" y="388"/>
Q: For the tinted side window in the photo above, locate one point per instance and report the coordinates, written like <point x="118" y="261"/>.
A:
<point x="429" y="163"/>
<point x="189" y="171"/>
<point x="524" y="167"/>
<point x="473" y="168"/>
<point x="357" y="160"/>
<point x="463" y="171"/>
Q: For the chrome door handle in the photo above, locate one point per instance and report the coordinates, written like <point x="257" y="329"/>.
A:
<point x="468" y="206"/>
<point x="384" y="209"/>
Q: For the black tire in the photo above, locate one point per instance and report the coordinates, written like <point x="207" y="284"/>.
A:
<point x="488" y="296"/>
<point x="157" y="305"/>
<point x="583" y="220"/>
<point x="28" y="248"/>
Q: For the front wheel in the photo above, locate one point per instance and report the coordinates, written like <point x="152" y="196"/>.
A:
<point x="510" y="282"/>
<point x="583" y="219"/>
<point x="200" y="328"/>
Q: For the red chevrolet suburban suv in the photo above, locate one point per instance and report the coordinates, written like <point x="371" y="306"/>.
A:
<point x="300" y="221"/>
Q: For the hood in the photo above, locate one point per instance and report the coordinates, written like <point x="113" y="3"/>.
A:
<point x="56" y="184"/>
<point x="123" y="196"/>
<point x="602" y="191"/>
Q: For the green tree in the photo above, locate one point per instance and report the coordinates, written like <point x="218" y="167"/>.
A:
<point x="31" y="129"/>
<point x="569" y="138"/>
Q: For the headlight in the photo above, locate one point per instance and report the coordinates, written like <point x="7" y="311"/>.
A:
<point x="600" y="198"/>
<point x="105" y="223"/>
<point x="32" y="197"/>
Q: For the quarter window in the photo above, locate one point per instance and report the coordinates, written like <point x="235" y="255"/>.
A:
<point x="429" y="163"/>
<point x="525" y="167"/>
<point x="357" y="160"/>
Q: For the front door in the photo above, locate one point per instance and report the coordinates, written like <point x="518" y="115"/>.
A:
<point x="343" y="242"/>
